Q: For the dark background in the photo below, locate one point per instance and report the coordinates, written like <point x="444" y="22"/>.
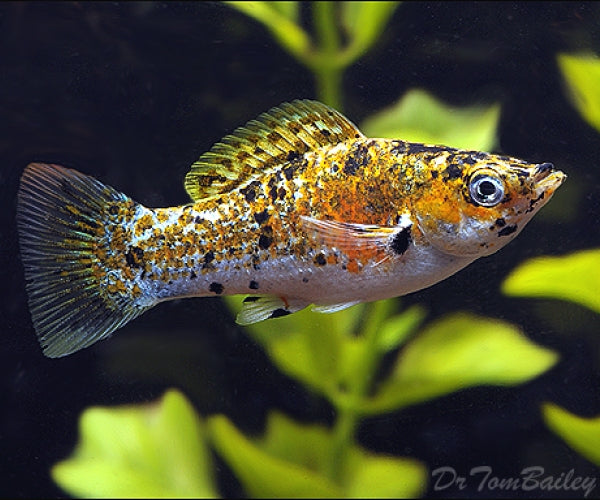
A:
<point x="133" y="93"/>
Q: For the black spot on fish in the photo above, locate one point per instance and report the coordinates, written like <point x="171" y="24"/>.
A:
<point x="500" y="222"/>
<point x="264" y="241"/>
<point x="249" y="192"/>
<point x="262" y="217"/>
<point x="305" y="280"/>
<point x="216" y="288"/>
<point x="134" y="257"/>
<point x="507" y="230"/>
<point x="320" y="260"/>
<point x="288" y="172"/>
<point x="453" y="171"/>
<point x="253" y="285"/>
<point x="281" y="193"/>
<point x="208" y="258"/>
<point x="469" y="160"/>
<point x="356" y="160"/>
<point x="193" y="275"/>
<point x="434" y="174"/>
<point x="252" y="298"/>
<point x="416" y="148"/>
<point x="334" y="168"/>
<point x="278" y="313"/>
<point x="198" y="219"/>
<point x="113" y="210"/>
<point x="400" y="241"/>
<point x="291" y="156"/>
<point x="273" y="193"/>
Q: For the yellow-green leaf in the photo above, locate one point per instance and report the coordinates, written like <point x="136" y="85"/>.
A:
<point x="574" y="277"/>
<point x="458" y="351"/>
<point x="311" y="347"/>
<point x="293" y="460"/>
<point x="155" y="450"/>
<point x="261" y="473"/>
<point x="378" y="476"/>
<point x="279" y="21"/>
<point x="581" y="434"/>
<point x="395" y="330"/>
<point x="420" y="117"/>
<point x="582" y="74"/>
<point x="364" y="22"/>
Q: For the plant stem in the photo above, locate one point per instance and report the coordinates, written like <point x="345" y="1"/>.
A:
<point x="345" y="426"/>
<point x="327" y="71"/>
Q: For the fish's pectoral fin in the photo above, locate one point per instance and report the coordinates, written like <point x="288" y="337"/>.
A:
<point x="258" y="308"/>
<point x="281" y="135"/>
<point x="347" y="236"/>
<point x="331" y="308"/>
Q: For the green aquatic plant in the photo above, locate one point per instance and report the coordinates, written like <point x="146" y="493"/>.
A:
<point x="574" y="277"/>
<point x="343" y="32"/>
<point x="161" y="449"/>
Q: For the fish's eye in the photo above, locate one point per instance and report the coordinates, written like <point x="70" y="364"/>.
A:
<point x="486" y="190"/>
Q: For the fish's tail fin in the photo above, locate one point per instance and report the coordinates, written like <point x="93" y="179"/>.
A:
<point x="61" y="216"/>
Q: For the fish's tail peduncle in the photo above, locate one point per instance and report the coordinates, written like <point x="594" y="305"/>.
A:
<point x="61" y="219"/>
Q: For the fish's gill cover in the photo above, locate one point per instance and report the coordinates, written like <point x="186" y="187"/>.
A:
<point x="280" y="135"/>
<point x="59" y="218"/>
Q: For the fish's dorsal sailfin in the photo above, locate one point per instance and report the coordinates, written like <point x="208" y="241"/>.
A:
<point x="280" y="135"/>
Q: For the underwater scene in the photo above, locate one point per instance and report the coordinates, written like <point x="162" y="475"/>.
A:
<point x="300" y="249"/>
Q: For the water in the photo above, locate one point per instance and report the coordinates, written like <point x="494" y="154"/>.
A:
<point x="132" y="93"/>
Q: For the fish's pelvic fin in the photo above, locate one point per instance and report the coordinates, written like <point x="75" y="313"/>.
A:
<point x="259" y="308"/>
<point x="60" y="214"/>
<point x="331" y="308"/>
<point x="282" y="134"/>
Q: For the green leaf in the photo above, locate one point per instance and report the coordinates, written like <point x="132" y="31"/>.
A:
<point x="574" y="277"/>
<point x="395" y="330"/>
<point x="291" y="460"/>
<point x="155" y="450"/>
<point x="458" y="351"/>
<point x="419" y="117"/>
<point x="364" y="22"/>
<point x="307" y="346"/>
<point x="287" y="9"/>
<point x="581" y="434"/>
<point x="376" y="476"/>
<point x="582" y="74"/>
<point x="262" y="473"/>
<point x="279" y="21"/>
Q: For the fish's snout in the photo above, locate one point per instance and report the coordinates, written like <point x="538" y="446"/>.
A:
<point x="543" y="169"/>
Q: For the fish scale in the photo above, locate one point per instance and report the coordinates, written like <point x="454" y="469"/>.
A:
<point x="297" y="207"/>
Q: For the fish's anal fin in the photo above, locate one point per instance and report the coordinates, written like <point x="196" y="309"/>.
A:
<point x="348" y="237"/>
<point x="331" y="308"/>
<point x="282" y="134"/>
<point x="60" y="215"/>
<point x="258" y="308"/>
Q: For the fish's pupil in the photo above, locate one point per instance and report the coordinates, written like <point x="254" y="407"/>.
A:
<point x="486" y="188"/>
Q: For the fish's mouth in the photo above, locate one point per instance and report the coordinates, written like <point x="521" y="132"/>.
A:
<point x="547" y="179"/>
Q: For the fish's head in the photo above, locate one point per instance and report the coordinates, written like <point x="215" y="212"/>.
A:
<point x="472" y="203"/>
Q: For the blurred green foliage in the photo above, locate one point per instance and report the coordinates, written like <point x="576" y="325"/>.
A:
<point x="155" y="450"/>
<point x="574" y="277"/>
<point x="343" y="32"/>
<point x="581" y="434"/>
<point x="162" y="449"/>
<point x="581" y="73"/>
<point x="420" y="117"/>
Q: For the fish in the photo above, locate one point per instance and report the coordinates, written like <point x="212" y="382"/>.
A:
<point x="296" y="208"/>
